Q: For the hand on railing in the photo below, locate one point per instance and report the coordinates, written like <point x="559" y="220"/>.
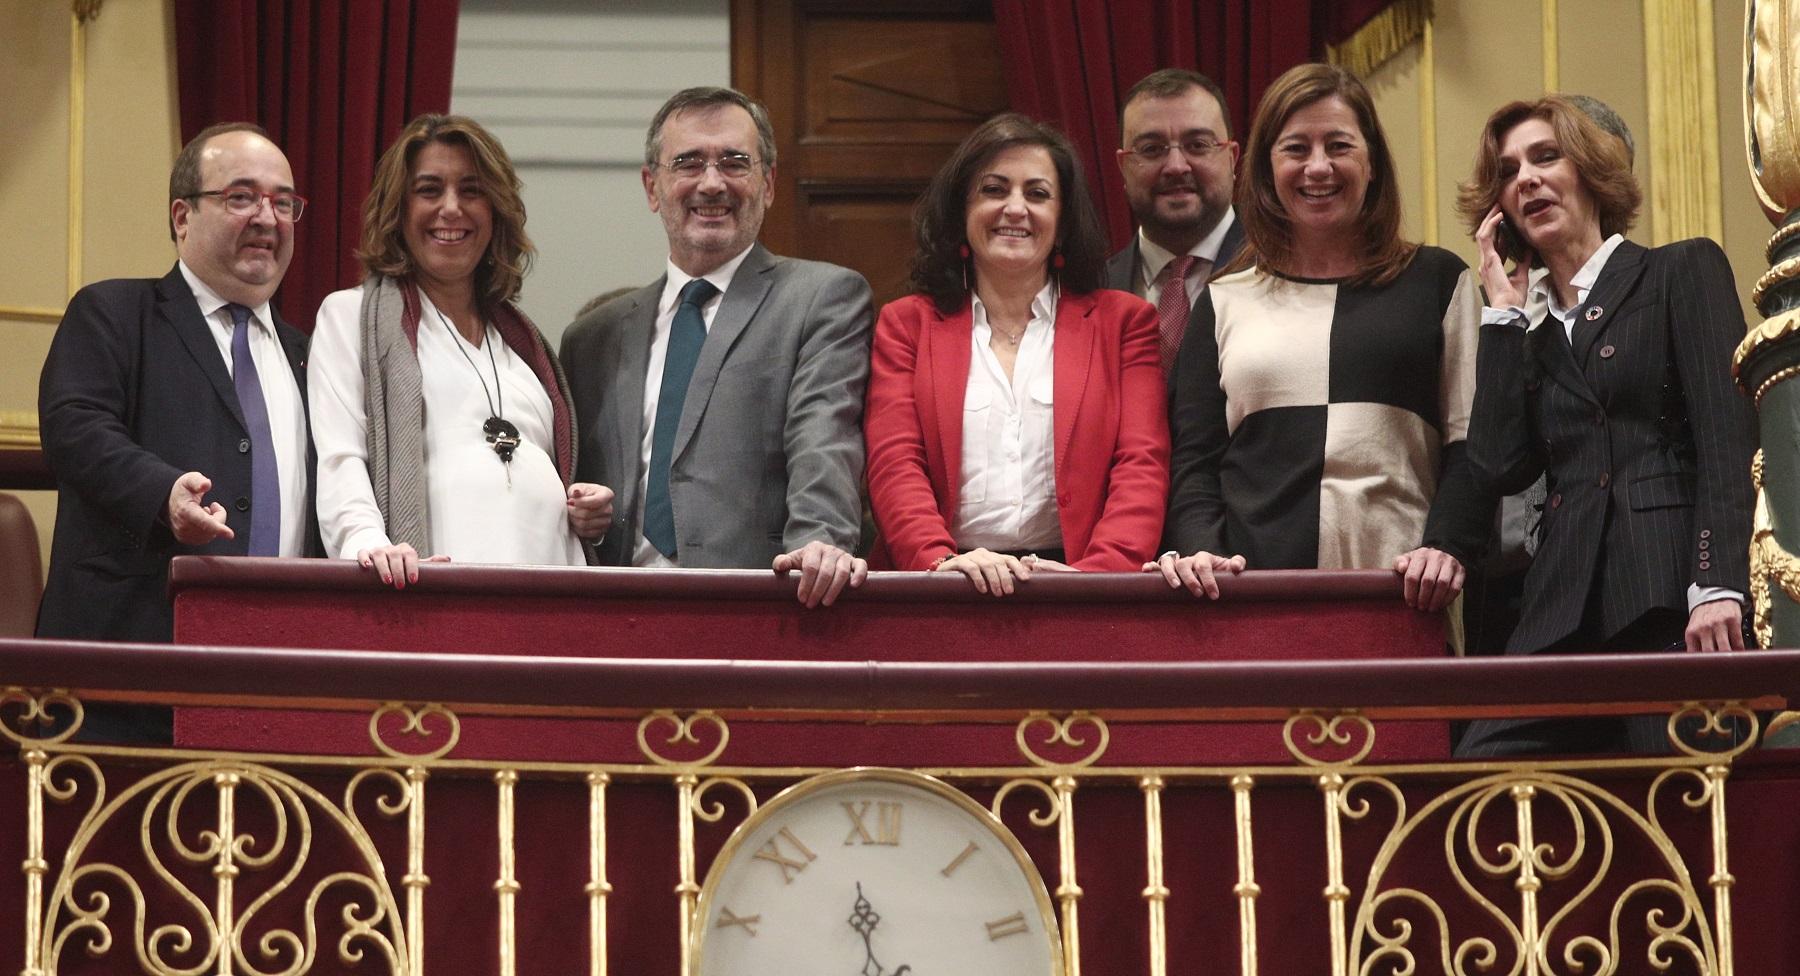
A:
<point x="1431" y="578"/>
<point x="397" y="565"/>
<point x="1198" y="572"/>
<point x="1717" y="625"/>
<point x="824" y="572"/>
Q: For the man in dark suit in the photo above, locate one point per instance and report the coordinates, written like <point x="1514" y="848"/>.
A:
<point x="723" y="401"/>
<point x="173" y="411"/>
<point x="1177" y="161"/>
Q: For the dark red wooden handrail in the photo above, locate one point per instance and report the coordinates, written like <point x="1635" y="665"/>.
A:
<point x="219" y="572"/>
<point x="1446" y="685"/>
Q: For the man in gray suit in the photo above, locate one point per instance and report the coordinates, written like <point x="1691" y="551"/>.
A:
<point x="1177" y="163"/>
<point x="723" y="402"/>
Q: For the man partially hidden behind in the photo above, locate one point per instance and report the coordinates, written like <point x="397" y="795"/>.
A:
<point x="723" y="402"/>
<point x="1177" y="162"/>
<point x="172" y="411"/>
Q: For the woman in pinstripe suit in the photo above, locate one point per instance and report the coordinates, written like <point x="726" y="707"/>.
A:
<point x="1621" y="393"/>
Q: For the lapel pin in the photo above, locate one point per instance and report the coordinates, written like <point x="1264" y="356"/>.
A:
<point x="1594" y="312"/>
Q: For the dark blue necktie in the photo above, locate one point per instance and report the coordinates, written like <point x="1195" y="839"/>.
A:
<point x="265" y="479"/>
<point x="686" y="335"/>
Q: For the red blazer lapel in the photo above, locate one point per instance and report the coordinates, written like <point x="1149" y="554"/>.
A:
<point x="1074" y="351"/>
<point x="947" y="353"/>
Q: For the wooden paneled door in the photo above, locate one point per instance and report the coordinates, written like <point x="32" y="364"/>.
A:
<point x="868" y="98"/>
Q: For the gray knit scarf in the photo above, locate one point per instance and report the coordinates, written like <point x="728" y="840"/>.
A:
<point x="394" y="402"/>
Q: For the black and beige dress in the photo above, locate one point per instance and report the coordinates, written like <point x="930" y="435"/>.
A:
<point x="1318" y="424"/>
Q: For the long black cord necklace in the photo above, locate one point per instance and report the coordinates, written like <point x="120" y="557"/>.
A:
<point x="500" y="432"/>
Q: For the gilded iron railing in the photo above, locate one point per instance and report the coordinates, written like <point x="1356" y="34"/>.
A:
<point x="182" y="860"/>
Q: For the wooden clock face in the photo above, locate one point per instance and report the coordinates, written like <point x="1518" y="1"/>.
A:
<point x="874" y="872"/>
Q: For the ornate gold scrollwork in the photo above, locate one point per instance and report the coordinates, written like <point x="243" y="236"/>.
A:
<point x="61" y="786"/>
<point x="36" y="708"/>
<point x="1768" y="559"/>
<point x="1039" y="817"/>
<point x="683" y="732"/>
<point x="415" y="725"/>
<point x="1061" y="733"/>
<point x="1059" y="809"/>
<point x="1383" y="935"/>
<point x="1719" y="720"/>
<point x="715" y="811"/>
<point x="219" y="936"/>
<point x="1333" y="730"/>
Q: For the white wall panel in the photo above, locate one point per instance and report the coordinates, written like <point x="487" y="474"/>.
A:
<point x="569" y="86"/>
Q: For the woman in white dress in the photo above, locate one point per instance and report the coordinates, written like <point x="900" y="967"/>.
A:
<point x="440" y="415"/>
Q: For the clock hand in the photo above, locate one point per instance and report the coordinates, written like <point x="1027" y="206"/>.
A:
<point x="864" y="918"/>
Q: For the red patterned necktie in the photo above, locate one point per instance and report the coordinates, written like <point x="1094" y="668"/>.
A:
<point x="1172" y="307"/>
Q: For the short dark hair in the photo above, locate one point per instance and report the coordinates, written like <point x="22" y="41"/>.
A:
<point x="1171" y="82"/>
<point x="383" y="247"/>
<point x="940" y="221"/>
<point x="184" y="176"/>
<point x="711" y="96"/>
<point x="1601" y="162"/>
<point x="1268" y="230"/>
<point x="1604" y="117"/>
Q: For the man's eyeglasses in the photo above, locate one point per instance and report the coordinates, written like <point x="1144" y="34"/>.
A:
<point x="732" y="166"/>
<point x="1153" y="154"/>
<point x="241" y="201"/>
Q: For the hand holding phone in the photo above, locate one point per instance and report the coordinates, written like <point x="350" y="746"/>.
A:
<point x="1508" y="244"/>
<point x="1496" y="243"/>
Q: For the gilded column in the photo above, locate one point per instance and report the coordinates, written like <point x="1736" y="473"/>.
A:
<point x="1770" y="355"/>
<point x="1681" y="74"/>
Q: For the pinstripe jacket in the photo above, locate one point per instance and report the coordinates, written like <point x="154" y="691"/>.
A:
<point x="1644" y="438"/>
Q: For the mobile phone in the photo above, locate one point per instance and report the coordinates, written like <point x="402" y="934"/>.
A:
<point x="1507" y="243"/>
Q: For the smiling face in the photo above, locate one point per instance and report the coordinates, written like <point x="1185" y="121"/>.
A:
<point x="1178" y="200"/>
<point x="1321" y="168"/>
<point x="709" y="218"/>
<point x="1540" y="190"/>
<point x="241" y="258"/>
<point x="449" y="220"/>
<point x="1013" y="207"/>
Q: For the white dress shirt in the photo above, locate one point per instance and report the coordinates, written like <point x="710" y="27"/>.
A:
<point x="1153" y="257"/>
<point x="480" y="509"/>
<point x="1006" y="499"/>
<point x="643" y="553"/>
<point x="1541" y="293"/>
<point x="281" y="397"/>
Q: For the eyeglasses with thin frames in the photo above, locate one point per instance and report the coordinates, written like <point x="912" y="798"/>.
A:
<point x="242" y="201"/>
<point x="1153" y="154"/>
<point x="731" y="165"/>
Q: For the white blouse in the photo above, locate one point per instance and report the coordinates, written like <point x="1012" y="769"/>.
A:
<point x="476" y="512"/>
<point x="1006" y="499"/>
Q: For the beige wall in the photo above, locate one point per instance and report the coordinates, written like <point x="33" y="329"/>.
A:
<point x="126" y="141"/>
<point x="1486" y="54"/>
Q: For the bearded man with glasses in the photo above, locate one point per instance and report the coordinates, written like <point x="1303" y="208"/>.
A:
<point x="1177" y="161"/>
<point x="722" y="403"/>
<point x="173" y="411"/>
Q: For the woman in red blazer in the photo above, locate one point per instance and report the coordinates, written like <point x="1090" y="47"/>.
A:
<point x="1016" y="415"/>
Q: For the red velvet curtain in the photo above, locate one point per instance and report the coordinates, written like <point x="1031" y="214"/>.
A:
<point x="333" y="81"/>
<point x="1070" y="62"/>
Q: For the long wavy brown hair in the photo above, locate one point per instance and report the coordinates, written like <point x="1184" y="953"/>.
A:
<point x="1602" y="161"/>
<point x="1268" y="231"/>
<point x="383" y="248"/>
